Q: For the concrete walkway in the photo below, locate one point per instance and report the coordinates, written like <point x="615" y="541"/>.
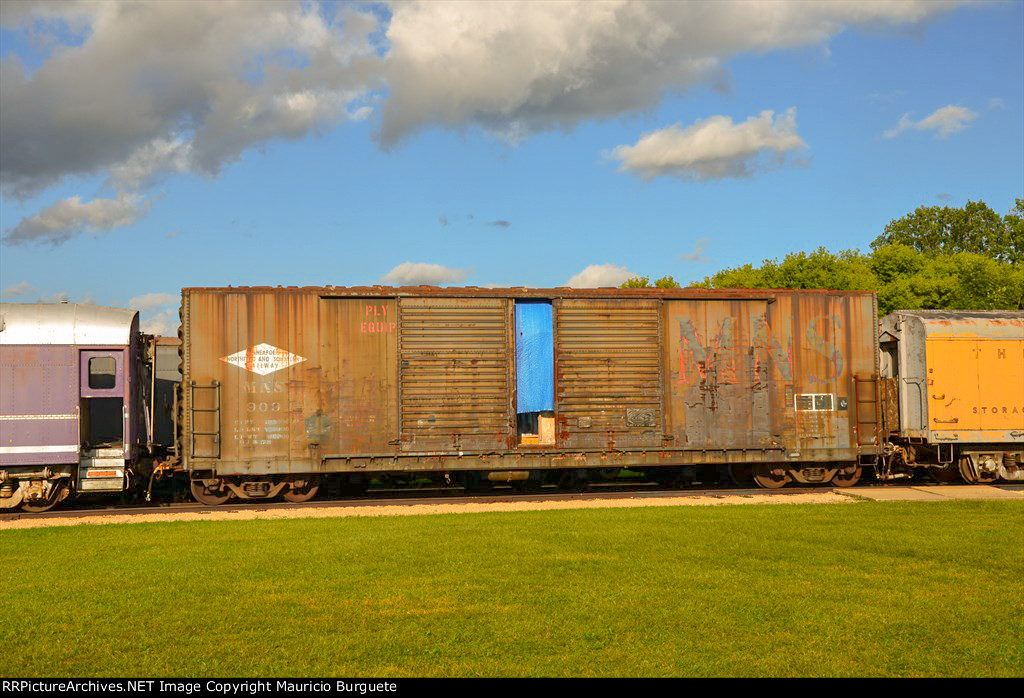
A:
<point x="930" y="493"/>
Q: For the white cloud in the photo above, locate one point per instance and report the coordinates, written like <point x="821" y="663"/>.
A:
<point x="18" y="289"/>
<point x="149" y="301"/>
<point x="422" y="274"/>
<point x="158" y="312"/>
<point x="945" y="121"/>
<point x="516" y="68"/>
<point x="162" y="324"/>
<point x="600" y="275"/>
<point x="171" y="86"/>
<point x="64" y="219"/>
<point x="158" y="157"/>
<point x="713" y="148"/>
<point x="135" y="91"/>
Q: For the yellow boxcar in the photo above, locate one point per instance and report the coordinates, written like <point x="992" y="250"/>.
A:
<point x="959" y="380"/>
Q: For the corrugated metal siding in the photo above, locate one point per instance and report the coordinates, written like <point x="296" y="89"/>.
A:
<point x="608" y="373"/>
<point x="455" y="367"/>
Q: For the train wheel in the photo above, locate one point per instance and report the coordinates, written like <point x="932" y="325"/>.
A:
<point x="847" y="476"/>
<point x="741" y="474"/>
<point x="302" y="489"/>
<point x="771" y="476"/>
<point x="973" y="475"/>
<point x="59" y="491"/>
<point x="207" y="496"/>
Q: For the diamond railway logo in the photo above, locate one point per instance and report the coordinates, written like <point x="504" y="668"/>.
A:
<point x="263" y="359"/>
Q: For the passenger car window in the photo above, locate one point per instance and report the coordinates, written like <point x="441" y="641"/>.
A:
<point x="102" y="372"/>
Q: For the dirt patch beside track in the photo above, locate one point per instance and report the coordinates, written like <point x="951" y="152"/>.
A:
<point x="385" y="509"/>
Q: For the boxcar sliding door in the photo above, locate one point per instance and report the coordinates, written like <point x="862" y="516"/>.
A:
<point x="455" y="374"/>
<point x="608" y="369"/>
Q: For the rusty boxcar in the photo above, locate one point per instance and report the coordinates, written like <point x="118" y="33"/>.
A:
<point x="285" y="386"/>
<point x="954" y="393"/>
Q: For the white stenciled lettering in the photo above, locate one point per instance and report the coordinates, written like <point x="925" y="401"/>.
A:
<point x="263" y="359"/>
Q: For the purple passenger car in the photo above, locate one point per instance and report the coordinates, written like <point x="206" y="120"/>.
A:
<point x="72" y="403"/>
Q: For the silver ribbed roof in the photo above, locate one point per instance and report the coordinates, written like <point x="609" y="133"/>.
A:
<point x="65" y="323"/>
<point x="981" y="324"/>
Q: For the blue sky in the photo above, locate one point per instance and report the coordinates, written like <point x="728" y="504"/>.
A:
<point x="147" y="148"/>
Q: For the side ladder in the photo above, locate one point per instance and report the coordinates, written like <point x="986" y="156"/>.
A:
<point x="212" y="428"/>
<point x="865" y="406"/>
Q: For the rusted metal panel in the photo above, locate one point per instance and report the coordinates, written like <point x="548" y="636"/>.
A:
<point x="252" y="377"/>
<point x="720" y="377"/>
<point x="779" y="374"/>
<point x="819" y="368"/>
<point x="608" y="369"/>
<point x="520" y="292"/>
<point x="835" y="357"/>
<point x="566" y="459"/>
<point x="890" y="405"/>
<point x="455" y="368"/>
<point x="358" y="402"/>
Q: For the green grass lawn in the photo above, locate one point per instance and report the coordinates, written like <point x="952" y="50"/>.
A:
<point x="867" y="589"/>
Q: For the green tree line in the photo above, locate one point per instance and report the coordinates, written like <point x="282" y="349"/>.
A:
<point x="934" y="258"/>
